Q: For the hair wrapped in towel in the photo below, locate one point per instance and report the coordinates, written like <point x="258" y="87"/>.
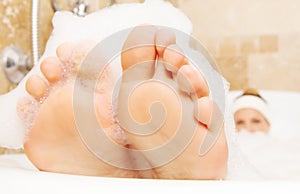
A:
<point x="252" y="99"/>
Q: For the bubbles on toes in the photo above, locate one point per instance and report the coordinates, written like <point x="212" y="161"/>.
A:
<point x="146" y="106"/>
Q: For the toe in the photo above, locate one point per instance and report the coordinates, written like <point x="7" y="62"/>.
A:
<point x="139" y="53"/>
<point x="164" y="38"/>
<point x="72" y="54"/>
<point x="80" y="51"/>
<point x="64" y="51"/>
<point x="192" y="82"/>
<point x="173" y="58"/>
<point x="208" y="113"/>
<point x="51" y="69"/>
<point x="36" y="87"/>
<point x="203" y="110"/>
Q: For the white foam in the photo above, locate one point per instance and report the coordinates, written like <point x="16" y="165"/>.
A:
<point x="274" y="155"/>
<point x="96" y="26"/>
<point x="273" y="158"/>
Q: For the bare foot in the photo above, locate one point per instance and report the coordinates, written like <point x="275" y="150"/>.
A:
<point x="167" y="80"/>
<point x="54" y="144"/>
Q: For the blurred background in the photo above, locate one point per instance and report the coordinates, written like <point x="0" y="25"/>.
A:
<point x="256" y="43"/>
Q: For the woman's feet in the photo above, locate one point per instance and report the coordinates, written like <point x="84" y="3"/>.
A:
<point x="156" y="108"/>
<point x="53" y="142"/>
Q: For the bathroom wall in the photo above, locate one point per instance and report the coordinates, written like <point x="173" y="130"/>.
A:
<point x="256" y="43"/>
<point x="14" y="29"/>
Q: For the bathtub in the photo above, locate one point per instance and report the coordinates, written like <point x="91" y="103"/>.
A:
<point x="18" y="175"/>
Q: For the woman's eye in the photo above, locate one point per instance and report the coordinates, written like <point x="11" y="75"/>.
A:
<point x="256" y="121"/>
<point x="240" y="122"/>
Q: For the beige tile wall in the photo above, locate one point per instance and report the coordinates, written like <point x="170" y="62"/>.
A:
<point x="267" y="61"/>
<point x="256" y="43"/>
<point x="14" y="30"/>
<point x="247" y="38"/>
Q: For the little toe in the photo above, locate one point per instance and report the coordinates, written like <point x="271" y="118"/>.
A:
<point x="192" y="82"/>
<point x="139" y="53"/>
<point x="203" y="110"/>
<point x="208" y="113"/>
<point x="51" y="69"/>
<point x="36" y="87"/>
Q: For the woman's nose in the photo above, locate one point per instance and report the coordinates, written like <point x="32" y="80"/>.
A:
<point x="250" y="127"/>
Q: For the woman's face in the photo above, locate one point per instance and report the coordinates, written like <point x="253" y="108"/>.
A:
<point x="251" y="120"/>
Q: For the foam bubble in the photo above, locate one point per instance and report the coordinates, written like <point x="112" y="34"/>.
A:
<point x="27" y="110"/>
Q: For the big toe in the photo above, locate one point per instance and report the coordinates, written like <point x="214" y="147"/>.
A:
<point x="139" y="53"/>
